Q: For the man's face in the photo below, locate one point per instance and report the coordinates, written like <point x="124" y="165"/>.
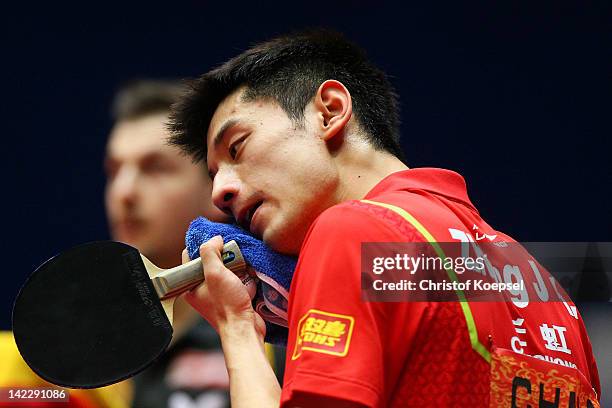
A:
<point x="152" y="191"/>
<point x="274" y="177"/>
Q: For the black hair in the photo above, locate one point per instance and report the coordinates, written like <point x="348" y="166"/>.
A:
<point x="289" y="70"/>
<point x="143" y="97"/>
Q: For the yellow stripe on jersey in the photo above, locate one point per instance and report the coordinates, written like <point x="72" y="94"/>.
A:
<point x="465" y="306"/>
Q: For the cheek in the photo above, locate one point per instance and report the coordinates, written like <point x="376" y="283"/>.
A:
<point x="170" y="218"/>
<point x="180" y="198"/>
<point x="175" y="201"/>
<point x="111" y="201"/>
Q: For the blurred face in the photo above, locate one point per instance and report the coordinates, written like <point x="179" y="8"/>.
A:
<point x="152" y="191"/>
<point x="273" y="177"/>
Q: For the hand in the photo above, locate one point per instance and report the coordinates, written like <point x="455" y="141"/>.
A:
<point x="222" y="298"/>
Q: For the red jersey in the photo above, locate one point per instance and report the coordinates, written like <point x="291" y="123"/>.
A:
<point x="403" y="354"/>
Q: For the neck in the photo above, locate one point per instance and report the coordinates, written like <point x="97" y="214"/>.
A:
<point x="361" y="168"/>
<point x="167" y="261"/>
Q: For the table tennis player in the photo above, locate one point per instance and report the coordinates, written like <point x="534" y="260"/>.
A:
<point x="300" y="134"/>
<point x="152" y="193"/>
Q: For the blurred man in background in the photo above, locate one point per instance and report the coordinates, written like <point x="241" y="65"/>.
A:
<point x="152" y="193"/>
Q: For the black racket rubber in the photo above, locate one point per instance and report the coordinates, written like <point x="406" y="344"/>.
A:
<point x="90" y="317"/>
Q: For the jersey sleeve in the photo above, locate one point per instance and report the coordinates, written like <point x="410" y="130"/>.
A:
<point x="341" y="348"/>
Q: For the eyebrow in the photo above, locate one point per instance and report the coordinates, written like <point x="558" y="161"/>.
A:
<point x="221" y="133"/>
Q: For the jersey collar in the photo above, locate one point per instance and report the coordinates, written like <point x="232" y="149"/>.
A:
<point x="441" y="182"/>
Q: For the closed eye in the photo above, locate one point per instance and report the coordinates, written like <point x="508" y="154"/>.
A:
<point x="235" y="146"/>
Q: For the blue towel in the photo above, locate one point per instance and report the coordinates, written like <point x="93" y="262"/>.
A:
<point x="274" y="271"/>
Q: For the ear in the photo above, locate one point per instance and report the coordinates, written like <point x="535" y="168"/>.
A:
<point x="334" y="108"/>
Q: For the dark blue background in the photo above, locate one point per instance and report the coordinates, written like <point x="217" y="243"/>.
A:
<point x="516" y="97"/>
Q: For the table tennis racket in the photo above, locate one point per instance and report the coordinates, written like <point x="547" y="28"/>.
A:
<point x="101" y="312"/>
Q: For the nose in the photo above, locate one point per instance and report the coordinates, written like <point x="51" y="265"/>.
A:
<point x="124" y="185"/>
<point x="225" y="191"/>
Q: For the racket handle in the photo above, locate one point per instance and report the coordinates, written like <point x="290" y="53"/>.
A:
<point x="172" y="282"/>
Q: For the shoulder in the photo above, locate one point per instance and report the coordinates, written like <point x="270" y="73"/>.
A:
<point x="362" y="221"/>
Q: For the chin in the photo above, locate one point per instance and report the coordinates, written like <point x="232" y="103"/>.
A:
<point x="283" y="242"/>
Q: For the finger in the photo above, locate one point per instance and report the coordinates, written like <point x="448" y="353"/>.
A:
<point x="210" y="252"/>
<point x="185" y="256"/>
<point x="197" y="293"/>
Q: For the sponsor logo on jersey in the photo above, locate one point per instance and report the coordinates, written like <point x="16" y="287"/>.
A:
<point x="324" y="332"/>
